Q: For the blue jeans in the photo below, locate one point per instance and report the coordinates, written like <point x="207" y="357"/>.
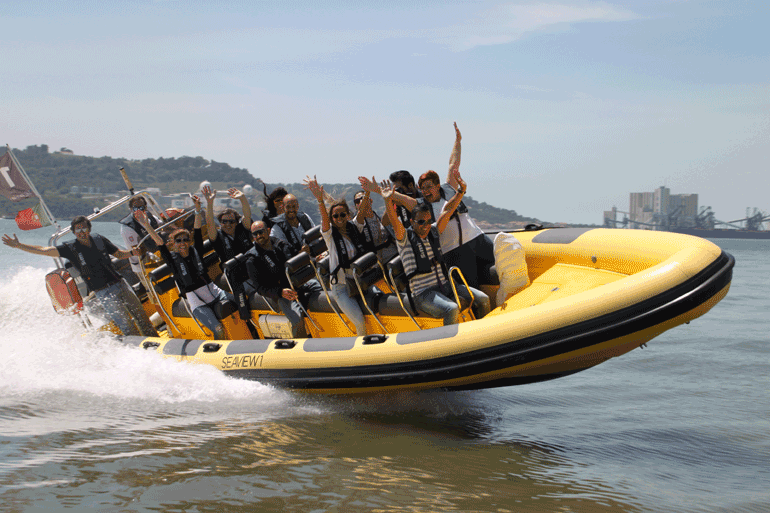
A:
<point x="207" y="317"/>
<point x="349" y="306"/>
<point x="119" y="303"/>
<point x="434" y="303"/>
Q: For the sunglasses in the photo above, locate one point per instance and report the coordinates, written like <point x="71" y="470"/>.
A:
<point x="259" y="232"/>
<point x="180" y="240"/>
<point x="427" y="186"/>
<point x="343" y="215"/>
<point x="80" y="230"/>
<point x="420" y="222"/>
<point x="139" y="208"/>
<point x="228" y="221"/>
<point x="357" y="201"/>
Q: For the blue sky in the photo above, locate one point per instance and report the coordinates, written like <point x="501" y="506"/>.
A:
<point x="565" y="107"/>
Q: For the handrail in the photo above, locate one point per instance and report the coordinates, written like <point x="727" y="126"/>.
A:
<point x="457" y="296"/>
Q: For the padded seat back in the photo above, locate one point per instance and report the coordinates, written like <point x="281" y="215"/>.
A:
<point x="395" y="268"/>
<point x="300" y="269"/>
<point x="367" y="270"/>
<point x="314" y="240"/>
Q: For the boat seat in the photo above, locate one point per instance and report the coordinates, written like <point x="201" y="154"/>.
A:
<point x="315" y="241"/>
<point x="222" y="309"/>
<point x="299" y="269"/>
<point x="367" y="270"/>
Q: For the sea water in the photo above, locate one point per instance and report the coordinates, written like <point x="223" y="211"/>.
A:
<point x="88" y="424"/>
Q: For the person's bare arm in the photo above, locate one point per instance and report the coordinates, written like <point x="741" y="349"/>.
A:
<point x="141" y="217"/>
<point x="451" y="205"/>
<point x="398" y="198"/>
<point x="198" y="222"/>
<point x="13" y="242"/>
<point x="318" y="192"/>
<point x="454" y="160"/>
<point x="245" y="207"/>
<point x="211" y="227"/>
<point x="390" y="212"/>
<point x="120" y="254"/>
<point x="366" y="200"/>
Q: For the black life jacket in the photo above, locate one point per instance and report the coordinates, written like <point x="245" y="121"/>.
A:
<point x="425" y="265"/>
<point x="182" y="275"/>
<point x="236" y="245"/>
<point x="288" y="230"/>
<point x="87" y="270"/>
<point x="139" y="229"/>
<point x="367" y="231"/>
<point x="359" y="243"/>
<point x="272" y="264"/>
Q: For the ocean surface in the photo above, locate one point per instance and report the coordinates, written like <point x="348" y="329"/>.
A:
<point x="87" y="424"/>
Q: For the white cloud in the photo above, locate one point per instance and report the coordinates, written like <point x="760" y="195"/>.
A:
<point x="505" y="23"/>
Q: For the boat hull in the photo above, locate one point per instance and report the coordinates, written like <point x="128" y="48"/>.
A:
<point x="634" y="287"/>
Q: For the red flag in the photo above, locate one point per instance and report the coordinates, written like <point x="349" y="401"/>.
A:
<point x="32" y="218"/>
<point x="12" y="184"/>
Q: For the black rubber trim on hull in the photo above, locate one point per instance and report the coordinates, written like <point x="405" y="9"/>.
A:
<point x="653" y="311"/>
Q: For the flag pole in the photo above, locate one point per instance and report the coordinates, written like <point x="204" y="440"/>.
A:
<point x="32" y="186"/>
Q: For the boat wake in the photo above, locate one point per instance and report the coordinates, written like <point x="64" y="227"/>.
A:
<point x="47" y="353"/>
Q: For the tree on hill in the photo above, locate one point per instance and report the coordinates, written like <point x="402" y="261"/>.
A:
<point x="54" y="174"/>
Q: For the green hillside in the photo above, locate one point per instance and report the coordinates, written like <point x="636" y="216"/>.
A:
<point x="56" y="173"/>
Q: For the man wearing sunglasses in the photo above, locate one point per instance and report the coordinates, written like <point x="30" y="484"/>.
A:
<point x="232" y="239"/>
<point x="90" y="255"/>
<point x="132" y="232"/>
<point x="265" y="265"/>
<point x="423" y="260"/>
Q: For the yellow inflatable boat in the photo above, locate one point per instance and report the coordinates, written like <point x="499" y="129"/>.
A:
<point x="593" y="294"/>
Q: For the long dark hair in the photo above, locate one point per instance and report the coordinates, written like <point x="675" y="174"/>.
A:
<point x="278" y="193"/>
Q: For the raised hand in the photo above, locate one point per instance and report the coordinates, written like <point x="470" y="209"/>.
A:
<point x="11" y="242"/>
<point x="208" y="193"/>
<point x="235" y="193"/>
<point x="386" y="189"/>
<point x="369" y="185"/>
<point x="197" y="200"/>
<point x="314" y="187"/>
<point x="462" y="187"/>
<point x="458" y="136"/>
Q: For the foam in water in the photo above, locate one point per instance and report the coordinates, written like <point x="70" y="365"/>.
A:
<point x="44" y="352"/>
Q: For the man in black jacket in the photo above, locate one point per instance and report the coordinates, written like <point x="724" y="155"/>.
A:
<point x="266" y="267"/>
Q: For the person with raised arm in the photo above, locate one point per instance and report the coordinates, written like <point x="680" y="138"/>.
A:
<point x="231" y="240"/>
<point x="90" y="254"/>
<point x="190" y="274"/>
<point x="424" y="263"/>
<point x="379" y="239"/>
<point x="233" y="237"/>
<point x="345" y="243"/>
<point x="464" y="244"/>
